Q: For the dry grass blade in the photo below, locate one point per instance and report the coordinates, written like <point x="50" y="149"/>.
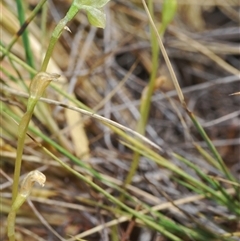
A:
<point x="90" y="114"/>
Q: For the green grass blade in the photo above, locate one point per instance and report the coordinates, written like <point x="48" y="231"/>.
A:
<point x="211" y="146"/>
<point x="26" y="43"/>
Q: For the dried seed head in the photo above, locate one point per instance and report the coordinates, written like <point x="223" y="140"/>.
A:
<point x="28" y="181"/>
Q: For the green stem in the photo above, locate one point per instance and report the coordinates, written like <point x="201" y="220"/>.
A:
<point x="22" y="130"/>
<point x="145" y="100"/>
<point x="57" y="33"/>
<point x="11" y="225"/>
<point x="146" y="97"/>
<point x="38" y="86"/>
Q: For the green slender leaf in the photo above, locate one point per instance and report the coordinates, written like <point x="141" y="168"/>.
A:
<point x="26" y="42"/>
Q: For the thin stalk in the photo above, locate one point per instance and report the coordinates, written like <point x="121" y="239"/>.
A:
<point x="73" y="10"/>
<point x="165" y="55"/>
<point x="168" y="12"/>
<point x="22" y="130"/>
<point x="145" y="99"/>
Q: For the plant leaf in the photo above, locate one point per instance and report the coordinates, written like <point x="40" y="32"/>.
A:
<point x="168" y="12"/>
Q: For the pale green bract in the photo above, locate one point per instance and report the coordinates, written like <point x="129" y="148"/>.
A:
<point x="95" y="14"/>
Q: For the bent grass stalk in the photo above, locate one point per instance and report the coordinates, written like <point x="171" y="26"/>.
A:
<point x="37" y="87"/>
